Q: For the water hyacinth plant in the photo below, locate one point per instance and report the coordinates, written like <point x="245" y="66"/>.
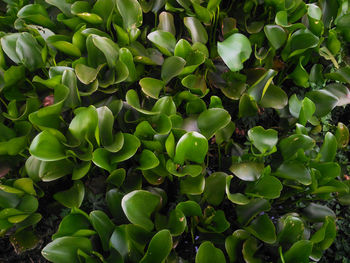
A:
<point x="172" y="130"/>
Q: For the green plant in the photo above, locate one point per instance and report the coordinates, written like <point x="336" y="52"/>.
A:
<point x="203" y="120"/>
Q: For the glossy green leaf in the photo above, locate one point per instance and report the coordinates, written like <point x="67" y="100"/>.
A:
<point x="64" y="249"/>
<point x="192" y="185"/>
<point x="172" y="67"/>
<point x="196" y="29"/>
<point x="276" y="35"/>
<point x="163" y="40"/>
<point x="138" y="207"/>
<point x="266" y="187"/>
<point x="192" y="146"/>
<point x="291" y="145"/>
<point x="103" y="226"/>
<point x="207" y="252"/>
<point x="73" y="197"/>
<point x="158" y="248"/>
<point x="151" y="87"/>
<point x="263" y="228"/>
<point x="108" y="48"/>
<point x="148" y="160"/>
<point x="329" y="148"/>
<point x="342" y="135"/>
<point x="247" y="171"/>
<point x="299" y="252"/>
<point x="36" y="14"/>
<point x="29" y="51"/>
<point x="245" y="213"/>
<point x="212" y="120"/>
<point x="263" y="140"/>
<point x="324" y="101"/>
<point x="234" y="51"/>
<point x="47" y="147"/>
<point x="294" y="171"/>
<point x="131" y="13"/>
<point x="317" y="213"/>
<point x="130" y="146"/>
<point x="215" y="185"/>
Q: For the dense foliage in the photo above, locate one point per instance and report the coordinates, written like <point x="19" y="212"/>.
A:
<point x="204" y="125"/>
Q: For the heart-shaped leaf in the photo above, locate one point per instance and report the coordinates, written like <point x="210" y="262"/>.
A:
<point x="212" y="120"/>
<point x="207" y="252"/>
<point x="234" y="51"/>
<point x="264" y="140"/>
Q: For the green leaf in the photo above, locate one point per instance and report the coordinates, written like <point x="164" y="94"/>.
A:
<point x="86" y="74"/>
<point x="105" y="125"/>
<point x="234" y="51"/>
<point x="192" y="146"/>
<point x="318" y="213"/>
<point x="215" y="185"/>
<point x="247" y="106"/>
<point x="276" y="35"/>
<point x="84" y="124"/>
<point x="108" y="48"/>
<point x="62" y="44"/>
<point x="171" y="68"/>
<point x="130" y="146"/>
<point x="291" y="145"/>
<point x="196" y="29"/>
<point x="294" y="171"/>
<point x="8" y="44"/>
<point x="159" y="247"/>
<point x="208" y="253"/>
<point x="25" y="184"/>
<point x="263" y="228"/>
<point x="138" y="206"/>
<point x="133" y="100"/>
<point x="47" y="147"/>
<point x="166" y="22"/>
<point x="291" y="229"/>
<point x="103" y="226"/>
<point x="64" y="249"/>
<point x="73" y="197"/>
<point x="299" y="252"/>
<point x="148" y="160"/>
<point x="245" y="213"/>
<point x="69" y="79"/>
<point x="324" y="101"/>
<point x="264" y="140"/>
<point x="192" y="185"/>
<point x="260" y="87"/>
<point x="29" y="51"/>
<point x="342" y="135"/>
<point x="212" y="120"/>
<point x="329" y="148"/>
<point x="71" y="224"/>
<point x="236" y="198"/>
<point x="268" y="187"/>
<point x="163" y="40"/>
<point x="131" y="12"/>
<point x="275" y="97"/>
<point x="247" y="171"/>
<point x="36" y="14"/>
<point x="234" y="242"/>
<point x="151" y="87"/>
